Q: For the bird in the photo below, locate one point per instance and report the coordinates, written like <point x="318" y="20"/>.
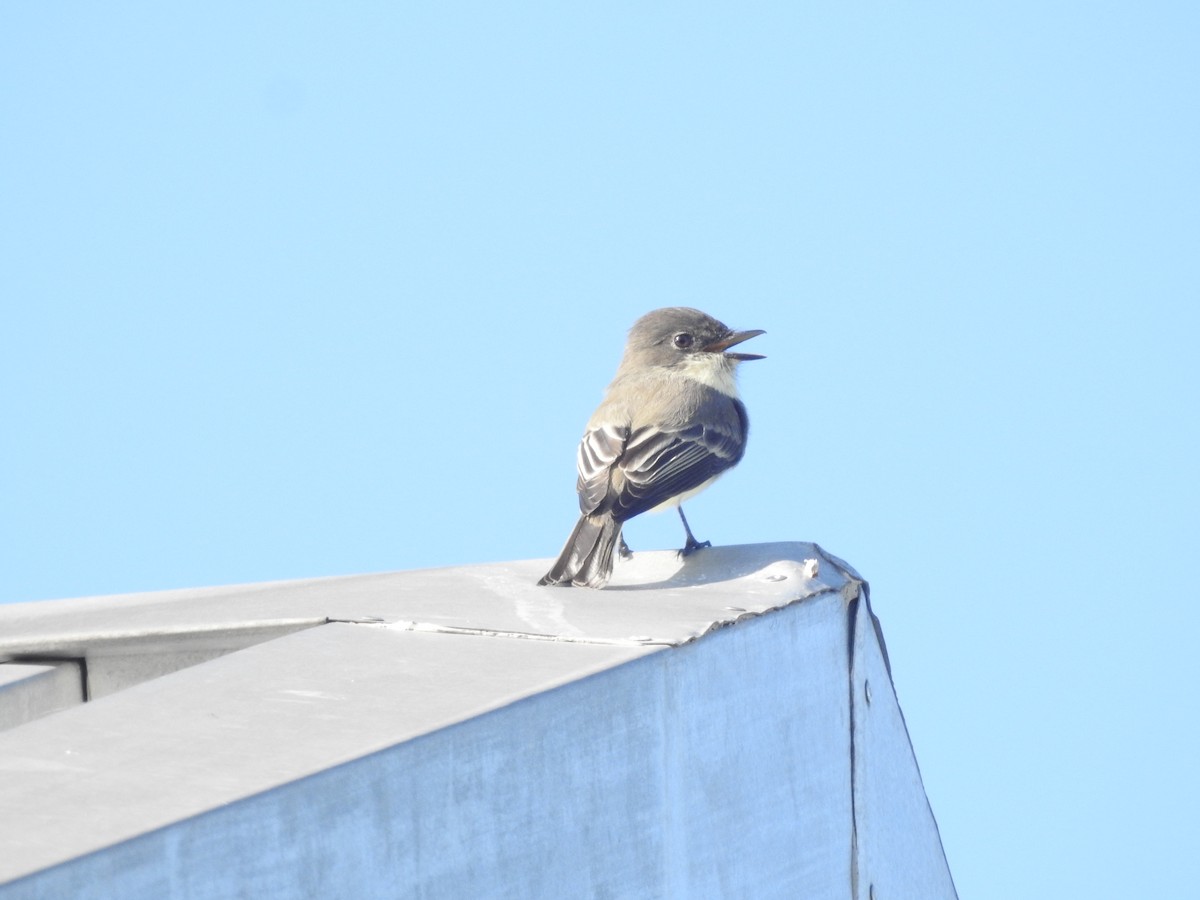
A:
<point x="670" y="423"/>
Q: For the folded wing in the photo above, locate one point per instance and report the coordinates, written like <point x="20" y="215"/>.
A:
<point x="629" y="471"/>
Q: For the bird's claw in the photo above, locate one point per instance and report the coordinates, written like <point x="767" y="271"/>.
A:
<point x="692" y="546"/>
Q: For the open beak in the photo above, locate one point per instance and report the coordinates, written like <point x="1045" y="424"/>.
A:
<point x="733" y="338"/>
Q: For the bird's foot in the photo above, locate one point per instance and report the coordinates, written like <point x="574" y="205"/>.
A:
<point x="692" y="544"/>
<point x="624" y="550"/>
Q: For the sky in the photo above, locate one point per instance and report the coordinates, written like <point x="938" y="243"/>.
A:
<point x="295" y="290"/>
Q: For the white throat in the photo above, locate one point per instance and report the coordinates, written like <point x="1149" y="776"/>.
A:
<point x="714" y="370"/>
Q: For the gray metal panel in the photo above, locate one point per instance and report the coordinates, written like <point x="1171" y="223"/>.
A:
<point x="899" y="851"/>
<point x="655" y="598"/>
<point x="29" y="691"/>
<point x="124" y="647"/>
<point x="494" y="739"/>
<point x="720" y="768"/>
<point x="252" y="721"/>
<point x="758" y="758"/>
<point x="115" y="662"/>
<point x="129" y="639"/>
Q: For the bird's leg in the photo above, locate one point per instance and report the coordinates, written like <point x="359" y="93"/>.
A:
<point x="624" y="550"/>
<point x="692" y="544"/>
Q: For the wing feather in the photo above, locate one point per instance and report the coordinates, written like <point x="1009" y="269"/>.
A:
<point x="599" y="451"/>
<point x="629" y="471"/>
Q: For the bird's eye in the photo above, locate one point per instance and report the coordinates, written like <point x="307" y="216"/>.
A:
<point x="683" y="340"/>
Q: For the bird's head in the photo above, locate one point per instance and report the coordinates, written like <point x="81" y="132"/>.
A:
<point x="685" y="337"/>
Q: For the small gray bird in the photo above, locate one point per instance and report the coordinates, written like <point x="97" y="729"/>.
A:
<point x="670" y="423"/>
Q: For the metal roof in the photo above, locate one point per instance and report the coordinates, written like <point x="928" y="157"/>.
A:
<point x="220" y="717"/>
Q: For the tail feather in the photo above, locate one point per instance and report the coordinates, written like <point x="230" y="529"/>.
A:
<point x="587" y="558"/>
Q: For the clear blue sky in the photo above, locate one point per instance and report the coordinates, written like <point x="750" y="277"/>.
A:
<point x="295" y="290"/>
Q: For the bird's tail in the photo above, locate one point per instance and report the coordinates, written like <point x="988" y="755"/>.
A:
<point x="587" y="558"/>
